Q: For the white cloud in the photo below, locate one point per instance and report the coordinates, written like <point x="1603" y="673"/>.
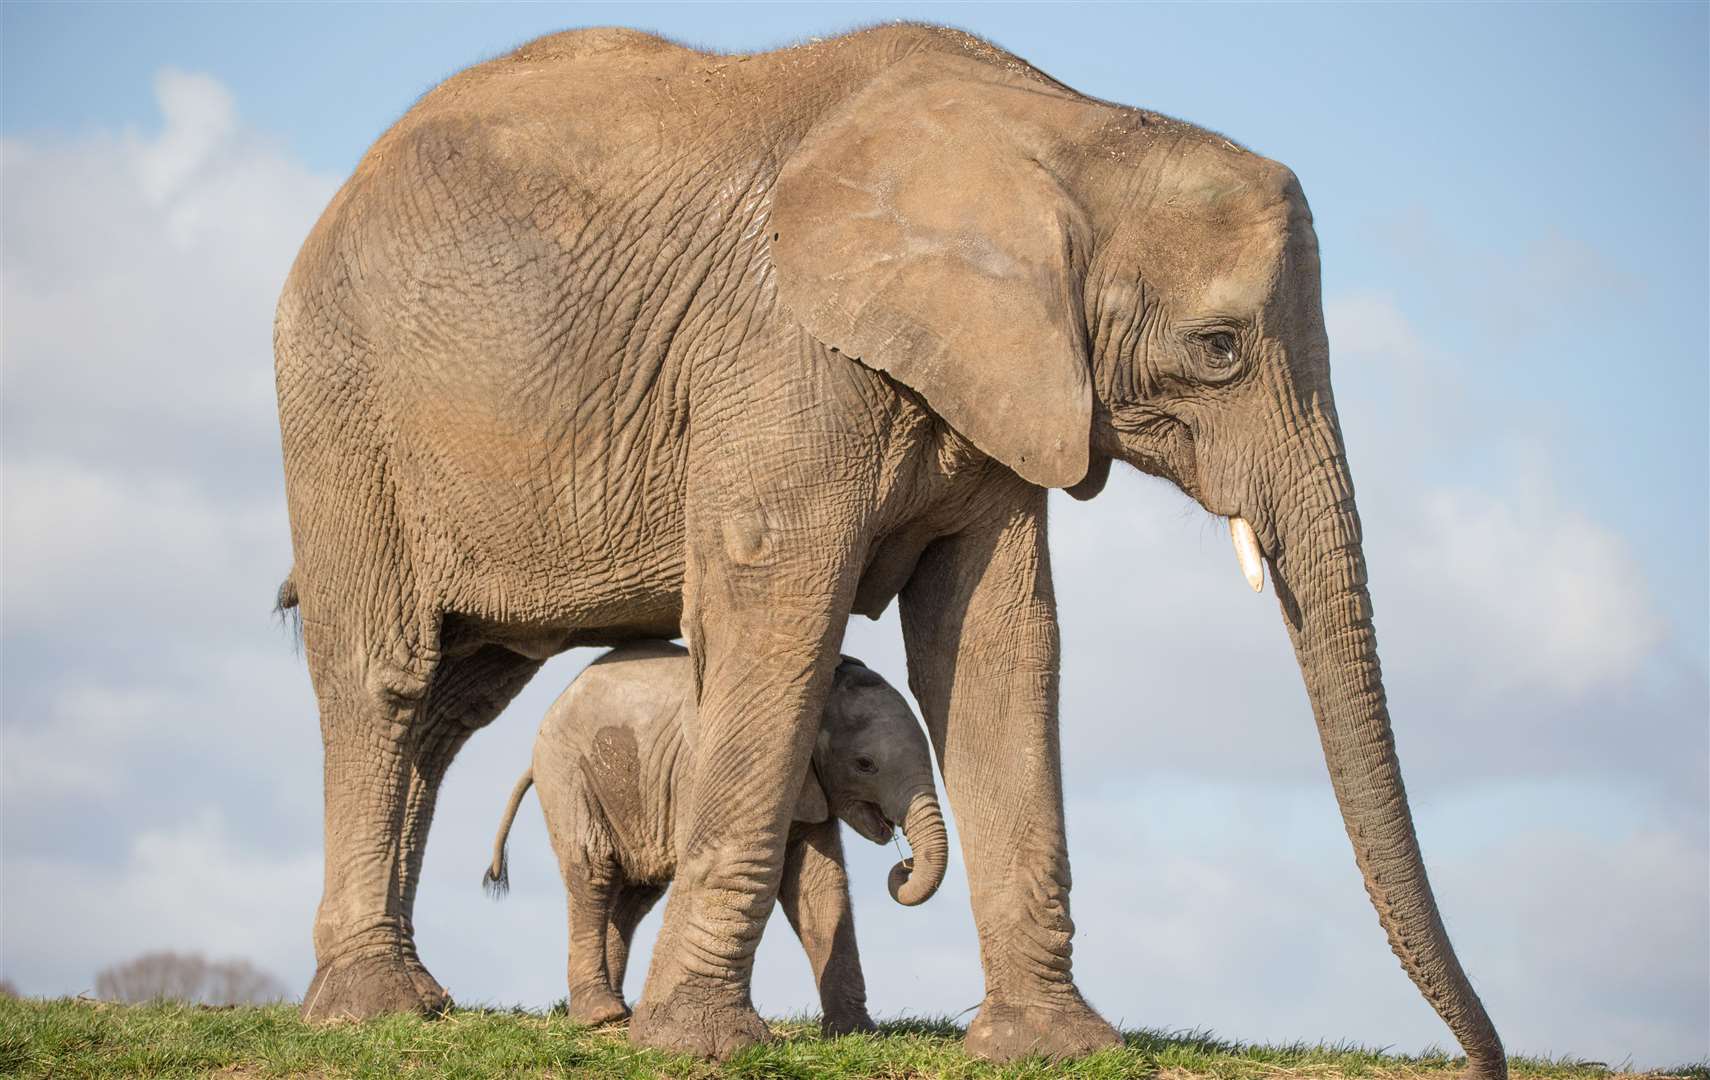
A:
<point x="1522" y="593"/>
<point x="85" y="543"/>
<point x="160" y="742"/>
<point x="139" y="278"/>
<point x="1501" y="599"/>
<point x="200" y="117"/>
<point x="194" y="886"/>
<point x="1370" y="324"/>
<point x="1568" y="926"/>
<point x="239" y="720"/>
<point x="79" y="752"/>
<point x="1227" y="894"/>
<point x="1513" y="283"/>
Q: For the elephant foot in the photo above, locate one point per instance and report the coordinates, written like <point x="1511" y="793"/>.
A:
<point x="355" y="988"/>
<point x="591" y="1009"/>
<point x="846" y="1022"/>
<point x="705" y="1027"/>
<point x="1004" y="1032"/>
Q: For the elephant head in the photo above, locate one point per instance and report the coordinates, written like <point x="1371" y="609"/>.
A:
<point x="1066" y="282"/>
<point x="873" y="770"/>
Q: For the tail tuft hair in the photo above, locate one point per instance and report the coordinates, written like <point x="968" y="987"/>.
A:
<point x="497" y="885"/>
<point x="285" y="608"/>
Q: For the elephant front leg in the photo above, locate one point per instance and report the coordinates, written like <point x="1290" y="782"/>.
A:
<point x="766" y="594"/>
<point x="762" y="690"/>
<point x="979" y="623"/>
<point x="814" y="894"/>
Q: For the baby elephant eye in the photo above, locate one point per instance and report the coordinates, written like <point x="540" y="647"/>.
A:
<point x="865" y="764"/>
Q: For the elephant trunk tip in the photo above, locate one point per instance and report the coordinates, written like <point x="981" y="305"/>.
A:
<point x="1489" y="1063"/>
<point x="924" y="826"/>
<point x="898" y="881"/>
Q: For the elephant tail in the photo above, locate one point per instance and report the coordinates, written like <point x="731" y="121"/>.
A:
<point x="497" y="880"/>
<point x="287" y="598"/>
<point x="285" y="607"/>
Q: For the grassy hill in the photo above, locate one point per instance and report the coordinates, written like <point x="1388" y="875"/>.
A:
<point x="77" y="1037"/>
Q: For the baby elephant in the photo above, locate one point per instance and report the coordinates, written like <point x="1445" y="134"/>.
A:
<point x="613" y="760"/>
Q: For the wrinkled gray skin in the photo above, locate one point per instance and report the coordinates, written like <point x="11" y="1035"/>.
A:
<point x="612" y="765"/>
<point x="609" y="338"/>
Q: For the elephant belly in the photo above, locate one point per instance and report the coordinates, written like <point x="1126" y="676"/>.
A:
<point x="538" y="590"/>
<point x="889" y="566"/>
<point x="553" y="520"/>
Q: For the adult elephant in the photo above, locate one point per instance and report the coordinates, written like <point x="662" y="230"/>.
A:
<point x="608" y="338"/>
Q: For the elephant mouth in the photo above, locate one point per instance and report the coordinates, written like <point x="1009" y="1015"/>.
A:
<point x="868" y="820"/>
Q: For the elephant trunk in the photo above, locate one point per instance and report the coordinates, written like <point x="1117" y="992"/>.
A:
<point x="915" y="879"/>
<point x="1320" y="573"/>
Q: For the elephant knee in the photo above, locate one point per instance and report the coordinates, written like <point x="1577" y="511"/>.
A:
<point x="394" y="687"/>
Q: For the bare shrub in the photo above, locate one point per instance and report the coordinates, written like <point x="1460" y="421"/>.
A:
<point x="188" y="977"/>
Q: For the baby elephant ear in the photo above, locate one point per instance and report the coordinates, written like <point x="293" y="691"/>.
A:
<point x="915" y="231"/>
<point x="811" y="807"/>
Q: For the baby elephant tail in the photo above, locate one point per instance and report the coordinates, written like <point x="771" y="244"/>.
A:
<point x="497" y="880"/>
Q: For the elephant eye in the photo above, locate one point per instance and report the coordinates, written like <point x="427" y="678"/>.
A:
<point x="1220" y="349"/>
<point x="865" y="764"/>
<point x="1218" y="360"/>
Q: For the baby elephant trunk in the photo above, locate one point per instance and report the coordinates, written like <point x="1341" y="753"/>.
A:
<point x="915" y="879"/>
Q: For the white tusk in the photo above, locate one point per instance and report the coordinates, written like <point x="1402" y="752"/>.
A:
<point x="1247" y="551"/>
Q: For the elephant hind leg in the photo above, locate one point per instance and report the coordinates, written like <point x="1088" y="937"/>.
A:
<point x="389" y="736"/>
<point x="466" y="694"/>
<point x="814" y="896"/>
<point x="365" y="951"/>
<point x="594" y="884"/>
<point x="632" y="904"/>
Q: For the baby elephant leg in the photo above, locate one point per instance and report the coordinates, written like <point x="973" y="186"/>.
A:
<point x="631" y="905"/>
<point x="814" y="894"/>
<point x="593" y="884"/>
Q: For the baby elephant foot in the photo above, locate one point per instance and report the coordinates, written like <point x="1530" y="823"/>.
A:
<point x="593" y="1008"/>
<point x="701" y="1026"/>
<point x="1004" y="1032"/>
<point x="846" y="1022"/>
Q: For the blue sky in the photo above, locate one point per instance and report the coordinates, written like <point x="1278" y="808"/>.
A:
<point x="1511" y="202"/>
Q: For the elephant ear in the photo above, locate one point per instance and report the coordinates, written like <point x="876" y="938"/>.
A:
<point x="1098" y="473"/>
<point x="811" y="807"/>
<point x="914" y="230"/>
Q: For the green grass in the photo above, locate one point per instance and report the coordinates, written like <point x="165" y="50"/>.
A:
<point x="76" y="1037"/>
